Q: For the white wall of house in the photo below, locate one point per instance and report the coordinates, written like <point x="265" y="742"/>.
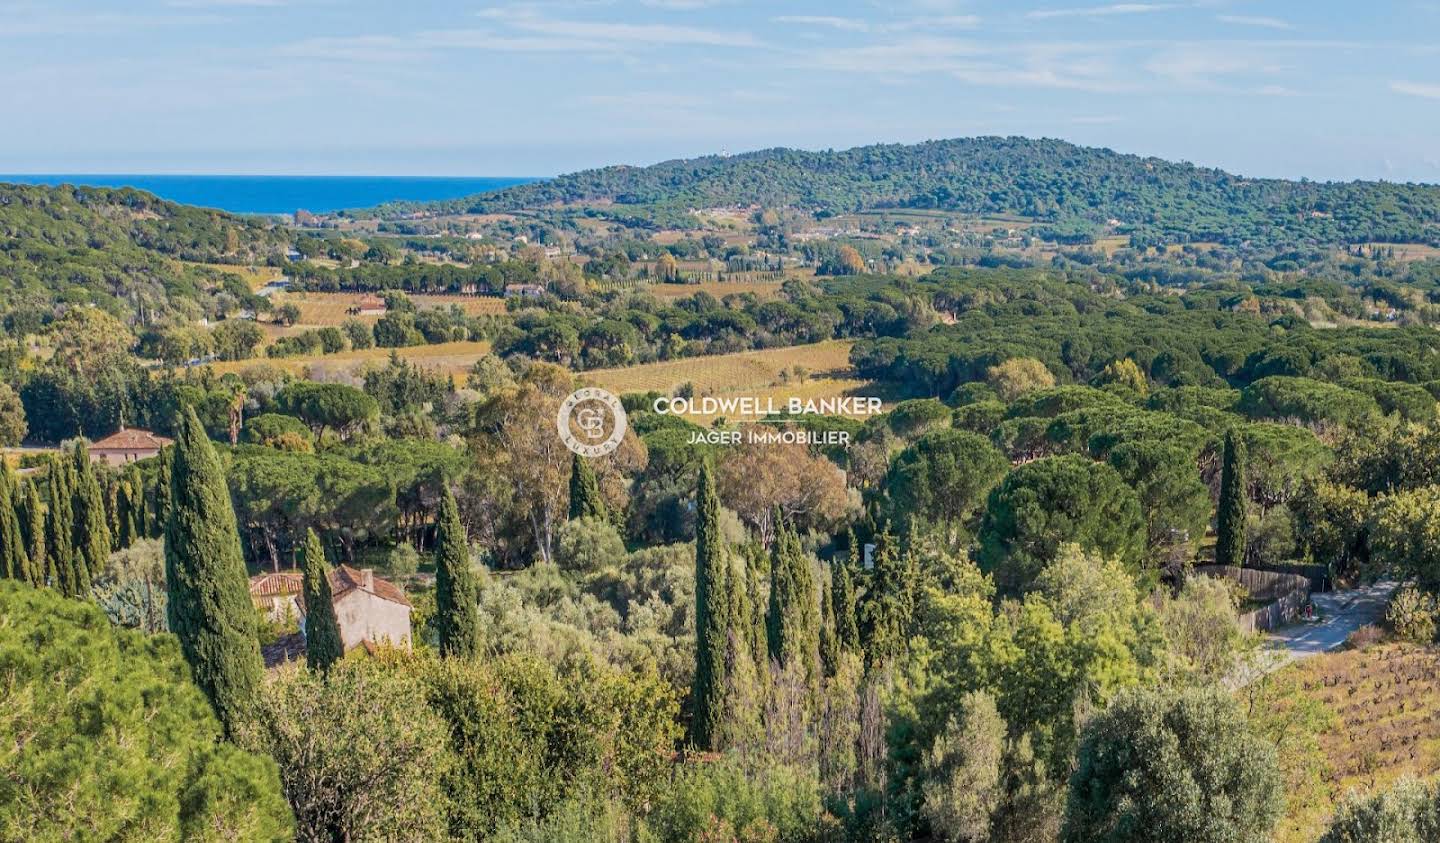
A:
<point x="364" y="616"/>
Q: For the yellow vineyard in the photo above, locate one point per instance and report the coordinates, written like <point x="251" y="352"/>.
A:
<point x="454" y="358"/>
<point x="322" y="309"/>
<point x="1383" y="706"/>
<point x="807" y="372"/>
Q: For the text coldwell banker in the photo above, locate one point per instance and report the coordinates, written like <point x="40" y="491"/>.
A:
<point x="752" y="406"/>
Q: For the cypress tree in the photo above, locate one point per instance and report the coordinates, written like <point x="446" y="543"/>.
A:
<point x="161" y="511"/>
<point x="118" y="502"/>
<point x="120" y="519"/>
<point x="32" y="527"/>
<point x="60" y="547"/>
<point x="713" y="606"/>
<point x="210" y="609"/>
<point x="14" y="563"/>
<point x="829" y="642"/>
<point x="793" y="622"/>
<point x="90" y="532"/>
<point x="323" y="645"/>
<point x="585" y="499"/>
<point x="890" y="601"/>
<point x="135" y="506"/>
<point x="457" y="597"/>
<point x="1230" y="519"/>
<point x="842" y="584"/>
<point x="749" y="604"/>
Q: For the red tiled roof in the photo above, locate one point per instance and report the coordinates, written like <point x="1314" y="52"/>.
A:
<point x="277" y="585"/>
<point x="131" y="439"/>
<point x="343" y="580"/>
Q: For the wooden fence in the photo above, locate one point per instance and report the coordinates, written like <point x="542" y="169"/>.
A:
<point x="1319" y="575"/>
<point x="1284" y="593"/>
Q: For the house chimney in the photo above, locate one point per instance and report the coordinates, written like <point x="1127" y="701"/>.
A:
<point x="367" y="579"/>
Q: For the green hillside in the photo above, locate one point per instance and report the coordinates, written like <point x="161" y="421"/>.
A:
<point x="1076" y="189"/>
<point x="122" y="250"/>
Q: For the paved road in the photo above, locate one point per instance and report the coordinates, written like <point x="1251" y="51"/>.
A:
<point x="1340" y="613"/>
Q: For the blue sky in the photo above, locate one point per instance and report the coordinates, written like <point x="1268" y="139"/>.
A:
<point x="1328" y="89"/>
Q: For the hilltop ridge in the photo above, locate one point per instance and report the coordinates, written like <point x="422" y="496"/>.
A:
<point x="1075" y="188"/>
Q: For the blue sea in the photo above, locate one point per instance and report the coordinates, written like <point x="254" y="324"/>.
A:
<point x="284" y="194"/>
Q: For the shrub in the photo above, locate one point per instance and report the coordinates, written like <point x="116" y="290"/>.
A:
<point x="589" y="544"/>
<point x="1269" y="538"/>
<point x="403" y="560"/>
<point x="1405" y="534"/>
<point x="1199" y="627"/>
<point x="963" y="769"/>
<point x="725" y="800"/>
<point x="1411" y="614"/>
<point x="361" y="755"/>
<point x="1409" y="812"/>
<point x="1159" y="765"/>
<point x="1366" y="636"/>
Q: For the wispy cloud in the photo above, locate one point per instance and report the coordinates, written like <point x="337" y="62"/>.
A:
<point x="1428" y="90"/>
<point x="846" y="24"/>
<point x="683" y="5"/>
<point x="1203" y="65"/>
<point x="517" y="30"/>
<point x="1064" y="66"/>
<point x="903" y="25"/>
<point x="1254" y="20"/>
<point x="220" y="4"/>
<point x="620" y="34"/>
<point x="1100" y="11"/>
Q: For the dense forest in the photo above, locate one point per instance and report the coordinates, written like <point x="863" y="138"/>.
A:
<point x="124" y="251"/>
<point x="1075" y="189"/>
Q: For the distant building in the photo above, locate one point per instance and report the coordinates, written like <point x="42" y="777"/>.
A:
<point x="370" y="610"/>
<point x="127" y="445"/>
<point x="528" y="291"/>
<point x="304" y="217"/>
<point x="278" y="594"/>
<point x="369" y="306"/>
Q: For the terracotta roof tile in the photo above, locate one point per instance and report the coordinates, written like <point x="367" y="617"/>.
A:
<point x="276" y="585"/>
<point x="131" y="439"/>
<point x="343" y="580"/>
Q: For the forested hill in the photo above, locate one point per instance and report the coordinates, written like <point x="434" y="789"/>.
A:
<point x="1075" y="188"/>
<point x="123" y="250"/>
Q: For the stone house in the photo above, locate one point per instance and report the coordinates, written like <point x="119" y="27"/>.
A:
<point x="370" y="610"/>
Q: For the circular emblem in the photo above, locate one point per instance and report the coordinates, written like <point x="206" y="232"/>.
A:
<point x="591" y="422"/>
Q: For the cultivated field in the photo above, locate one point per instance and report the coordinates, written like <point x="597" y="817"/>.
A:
<point x="321" y="309"/>
<point x="1383" y="707"/>
<point x="454" y="358"/>
<point x="746" y="373"/>
<point x="718" y="289"/>
<point x="1406" y="251"/>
